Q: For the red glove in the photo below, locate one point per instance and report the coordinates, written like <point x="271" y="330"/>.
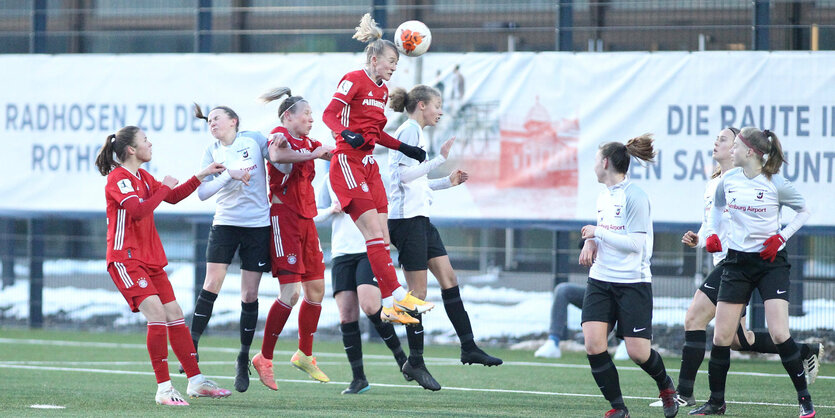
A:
<point x="712" y="244"/>
<point x="772" y="245"/>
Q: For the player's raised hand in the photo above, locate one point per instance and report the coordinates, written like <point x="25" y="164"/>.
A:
<point x="169" y="181"/>
<point x="210" y="169"/>
<point x="279" y="140"/>
<point x="446" y="147"/>
<point x="241" y="175"/>
<point x="690" y="239"/>
<point x="458" y="176"/>
<point x="323" y="151"/>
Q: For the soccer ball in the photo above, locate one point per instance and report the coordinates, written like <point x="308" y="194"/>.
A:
<point x="412" y="38"/>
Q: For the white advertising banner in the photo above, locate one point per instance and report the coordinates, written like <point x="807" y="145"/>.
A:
<point x="527" y="124"/>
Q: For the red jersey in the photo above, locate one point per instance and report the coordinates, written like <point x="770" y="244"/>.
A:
<point x="364" y="112"/>
<point x="136" y="238"/>
<point x="296" y="189"/>
<point x="129" y="238"/>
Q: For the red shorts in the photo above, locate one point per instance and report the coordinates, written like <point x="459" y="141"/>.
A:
<point x="353" y="179"/>
<point x="295" y="247"/>
<point x="136" y="281"/>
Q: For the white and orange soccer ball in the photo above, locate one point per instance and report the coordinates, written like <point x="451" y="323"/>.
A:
<point x="412" y="38"/>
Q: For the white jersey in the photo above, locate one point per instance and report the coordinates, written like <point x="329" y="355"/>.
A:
<point x="239" y="204"/>
<point x="408" y="199"/>
<point x="623" y="209"/>
<point x="346" y="238"/>
<point x="722" y="232"/>
<point x="754" y="206"/>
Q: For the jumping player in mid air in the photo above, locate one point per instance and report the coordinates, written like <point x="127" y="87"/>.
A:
<point x="356" y="116"/>
<point x="297" y="259"/>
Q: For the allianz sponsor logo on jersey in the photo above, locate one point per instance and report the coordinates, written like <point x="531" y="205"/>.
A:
<point x="374" y="102"/>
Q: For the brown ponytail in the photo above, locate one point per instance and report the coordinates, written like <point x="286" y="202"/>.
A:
<point x="765" y="143"/>
<point x="775" y="156"/>
<point x="115" y="144"/>
<point x="618" y="153"/>
<point x="399" y="100"/>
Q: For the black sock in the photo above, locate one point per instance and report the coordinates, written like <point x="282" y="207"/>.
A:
<point x="692" y="356"/>
<point x="606" y="375"/>
<point x="654" y="366"/>
<point x="352" y="341"/>
<point x="763" y="343"/>
<point x="249" y="320"/>
<point x="717" y="372"/>
<point x="386" y="331"/>
<point x="414" y="333"/>
<point x="790" y="355"/>
<point x="743" y="340"/>
<point x="202" y="313"/>
<point x="458" y="316"/>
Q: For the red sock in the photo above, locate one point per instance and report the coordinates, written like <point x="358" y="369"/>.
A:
<point x="183" y="346"/>
<point x="308" y="321"/>
<point x="276" y="319"/>
<point x="157" y="341"/>
<point x="382" y="266"/>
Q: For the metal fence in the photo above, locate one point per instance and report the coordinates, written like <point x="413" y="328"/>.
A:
<point x="54" y="275"/>
<point x="159" y="26"/>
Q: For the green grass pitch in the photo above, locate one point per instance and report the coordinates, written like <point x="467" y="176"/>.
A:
<point x="98" y="374"/>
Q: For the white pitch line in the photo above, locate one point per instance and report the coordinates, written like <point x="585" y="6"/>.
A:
<point x="460" y="389"/>
<point x="434" y="361"/>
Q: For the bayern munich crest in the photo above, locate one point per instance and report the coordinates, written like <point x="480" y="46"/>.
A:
<point x="364" y="187"/>
<point x="291" y="259"/>
<point x="143" y="283"/>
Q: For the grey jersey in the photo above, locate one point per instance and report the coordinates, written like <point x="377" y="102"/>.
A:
<point x="239" y="204"/>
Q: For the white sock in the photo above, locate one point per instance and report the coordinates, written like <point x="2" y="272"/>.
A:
<point x="162" y="387"/>
<point x="399" y="293"/>
<point x="196" y="379"/>
<point x="388" y="302"/>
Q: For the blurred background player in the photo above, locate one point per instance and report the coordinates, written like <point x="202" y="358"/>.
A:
<point x="240" y="224"/>
<point x="356" y="117"/>
<point x="703" y="307"/>
<point x="136" y="258"/>
<point x="754" y="193"/>
<point x="619" y="289"/>
<point x="354" y="288"/>
<point x="296" y="256"/>
<point x="417" y="240"/>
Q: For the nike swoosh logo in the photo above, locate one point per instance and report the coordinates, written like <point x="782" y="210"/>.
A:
<point x="780" y="292"/>
<point x="709" y="286"/>
<point x="261" y="264"/>
<point x="197" y="314"/>
<point x="349" y="347"/>
<point x="419" y="332"/>
<point x="388" y="338"/>
<point x="249" y="329"/>
<point x="800" y="374"/>
<point x="638" y="329"/>
<point x="351" y="137"/>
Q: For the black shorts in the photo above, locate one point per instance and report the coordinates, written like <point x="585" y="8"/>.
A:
<point x="350" y="271"/>
<point x="252" y="245"/>
<point x="743" y="272"/>
<point x="417" y="241"/>
<point x="627" y="304"/>
<point x="710" y="287"/>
